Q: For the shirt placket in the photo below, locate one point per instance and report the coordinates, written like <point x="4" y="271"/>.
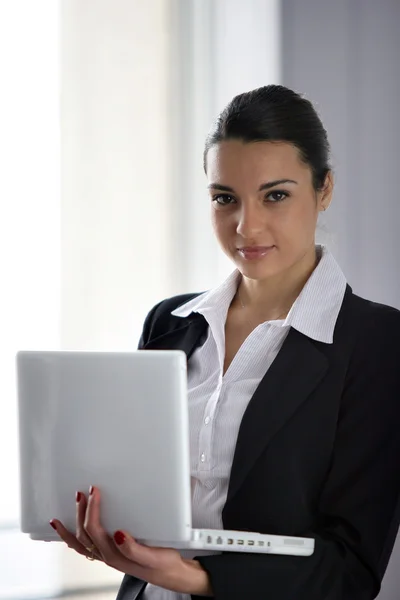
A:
<point x="205" y="460"/>
<point x="206" y="431"/>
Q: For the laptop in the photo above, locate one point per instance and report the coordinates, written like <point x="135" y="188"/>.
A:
<point x="119" y="421"/>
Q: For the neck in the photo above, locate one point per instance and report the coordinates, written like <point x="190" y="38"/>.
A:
<point x="275" y="295"/>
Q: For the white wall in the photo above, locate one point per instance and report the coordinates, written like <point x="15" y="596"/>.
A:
<point x="115" y="215"/>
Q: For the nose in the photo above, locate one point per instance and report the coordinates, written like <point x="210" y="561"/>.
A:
<point x="251" y="220"/>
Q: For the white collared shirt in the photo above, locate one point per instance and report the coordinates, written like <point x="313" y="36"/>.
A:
<point x="217" y="402"/>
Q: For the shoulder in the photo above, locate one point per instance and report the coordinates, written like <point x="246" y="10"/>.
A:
<point x="373" y="315"/>
<point x="159" y="320"/>
<point x="376" y="329"/>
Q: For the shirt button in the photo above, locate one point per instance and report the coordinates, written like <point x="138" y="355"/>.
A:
<point x="203" y="457"/>
<point x="207" y="420"/>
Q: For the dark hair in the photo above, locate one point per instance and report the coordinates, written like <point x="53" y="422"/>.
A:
<point x="275" y="113"/>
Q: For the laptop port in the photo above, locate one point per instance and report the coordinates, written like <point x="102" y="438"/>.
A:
<point x="209" y="539"/>
<point x="219" y="540"/>
<point x="230" y="541"/>
<point x="240" y="542"/>
<point x="261" y="543"/>
<point x="250" y="543"/>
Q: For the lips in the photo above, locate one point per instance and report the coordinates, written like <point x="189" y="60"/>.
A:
<point x="254" y="252"/>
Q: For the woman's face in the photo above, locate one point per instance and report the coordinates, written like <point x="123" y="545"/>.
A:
<point x="264" y="206"/>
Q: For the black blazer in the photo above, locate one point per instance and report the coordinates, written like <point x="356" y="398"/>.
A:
<point x="317" y="455"/>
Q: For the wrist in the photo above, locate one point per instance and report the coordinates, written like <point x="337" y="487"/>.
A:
<point x="196" y="579"/>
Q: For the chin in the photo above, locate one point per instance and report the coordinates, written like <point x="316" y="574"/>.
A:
<point x="254" y="273"/>
<point x="256" y="270"/>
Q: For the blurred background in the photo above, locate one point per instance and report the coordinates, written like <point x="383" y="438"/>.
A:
<point x="104" y="108"/>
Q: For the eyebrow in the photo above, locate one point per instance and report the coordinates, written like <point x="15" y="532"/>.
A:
<point x="263" y="186"/>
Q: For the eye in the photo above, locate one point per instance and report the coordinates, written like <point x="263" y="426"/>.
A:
<point x="277" y="196"/>
<point x="223" y="199"/>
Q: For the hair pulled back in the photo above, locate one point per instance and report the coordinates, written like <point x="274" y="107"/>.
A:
<point x="275" y="113"/>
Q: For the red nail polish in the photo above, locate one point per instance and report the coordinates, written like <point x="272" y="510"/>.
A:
<point x="91" y="490"/>
<point x="119" y="537"/>
<point x="54" y="526"/>
<point x="78" y="496"/>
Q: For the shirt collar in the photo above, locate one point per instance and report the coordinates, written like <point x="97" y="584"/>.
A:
<point x="314" y="313"/>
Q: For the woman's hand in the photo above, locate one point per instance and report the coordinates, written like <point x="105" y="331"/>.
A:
<point x="163" y="567"/>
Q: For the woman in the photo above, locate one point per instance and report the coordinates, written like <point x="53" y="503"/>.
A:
<point x="294" y="384"/>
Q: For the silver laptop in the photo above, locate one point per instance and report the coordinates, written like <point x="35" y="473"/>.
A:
<point x="118" y="421"/>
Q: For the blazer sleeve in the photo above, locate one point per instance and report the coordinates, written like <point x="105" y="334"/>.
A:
<point x="148" y="325"/>
<point x="359" y="508"/>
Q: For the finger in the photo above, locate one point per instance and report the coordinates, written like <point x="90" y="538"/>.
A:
<point x="94" y="529"/>
<point x="81" y="535"/>
<point x="68" y="537"/>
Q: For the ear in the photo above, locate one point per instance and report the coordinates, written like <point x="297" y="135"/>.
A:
<point x="325" y="194"/>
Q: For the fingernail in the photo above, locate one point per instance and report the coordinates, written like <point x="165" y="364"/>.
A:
<point x="119" y="537"/>
<point x="91" y="490"/>
<point x="54" y="526"/>
<point x="78" y="496"/>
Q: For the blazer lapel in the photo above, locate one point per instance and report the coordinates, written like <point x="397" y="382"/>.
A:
<point x="294" y="374"/>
